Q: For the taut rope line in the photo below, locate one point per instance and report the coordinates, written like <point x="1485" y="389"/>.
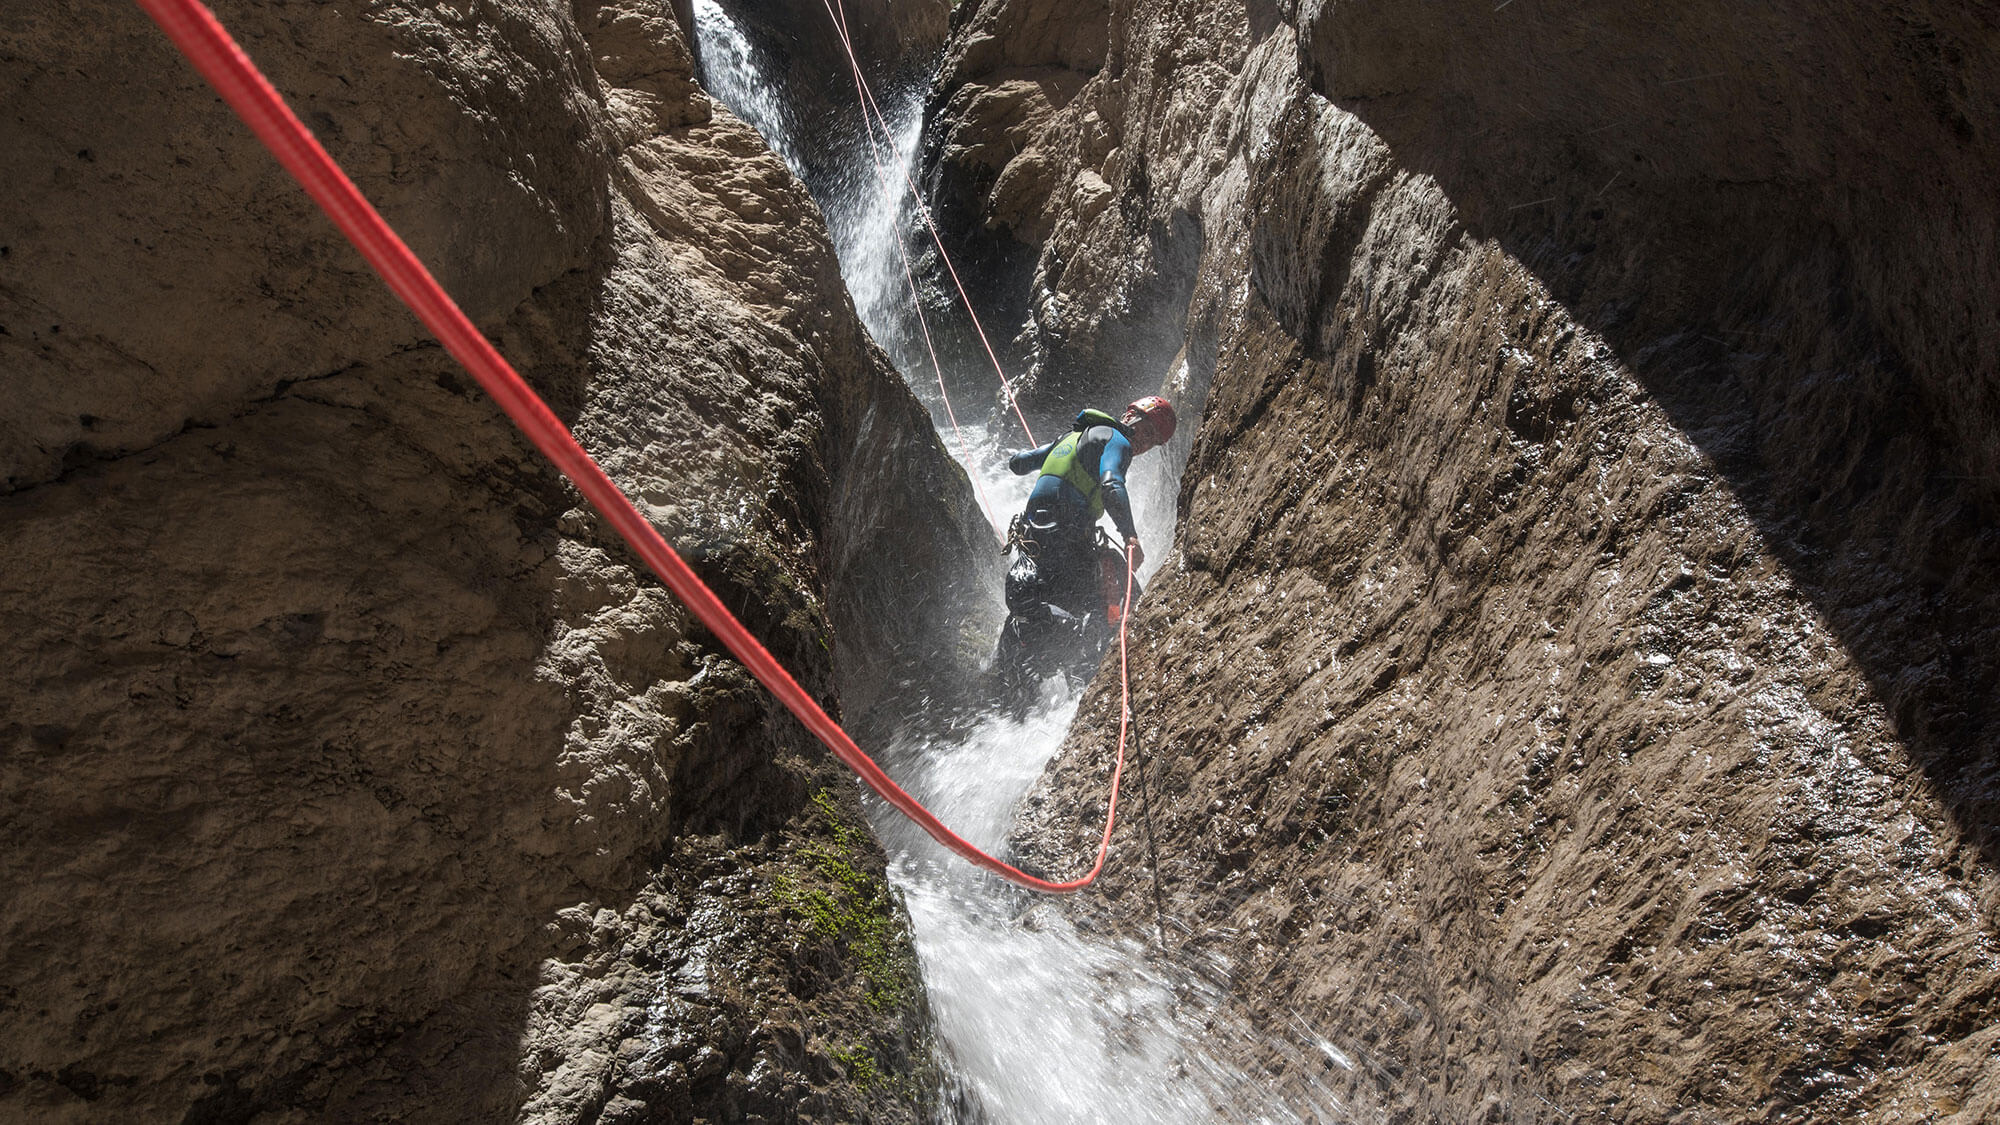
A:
<point x="202" y="38"/>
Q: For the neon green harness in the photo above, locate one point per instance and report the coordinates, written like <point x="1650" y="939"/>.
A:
<point x="1062" y="461"/>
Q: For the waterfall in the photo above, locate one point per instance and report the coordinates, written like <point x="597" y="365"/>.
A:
<point x="878" y="212"/>
<point x="866" y="222"/>
<point x="1041" y="1022"/>
<point x="733" y="74"/>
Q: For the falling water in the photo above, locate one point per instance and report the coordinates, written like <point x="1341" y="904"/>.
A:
<point x="732" y="72"/>
<point x="866" y="231"/>
<point x="1043" y="1023"/>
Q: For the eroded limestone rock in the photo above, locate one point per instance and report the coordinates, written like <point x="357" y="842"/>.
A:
<point x="1570" y="692"/>
<point x="354" y="771"/>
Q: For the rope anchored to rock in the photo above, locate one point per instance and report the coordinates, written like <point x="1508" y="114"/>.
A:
<point x="201" y="37"/>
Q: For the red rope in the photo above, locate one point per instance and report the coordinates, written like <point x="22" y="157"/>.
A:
<point x="202" y="38"/>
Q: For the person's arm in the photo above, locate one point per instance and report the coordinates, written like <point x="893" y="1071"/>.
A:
<point x="1111" y="481"/>
<point x="1028" y="460"/>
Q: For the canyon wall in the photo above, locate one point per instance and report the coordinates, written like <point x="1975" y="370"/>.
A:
<point x="1570" y="692"/>
<point x="354" y="770"/>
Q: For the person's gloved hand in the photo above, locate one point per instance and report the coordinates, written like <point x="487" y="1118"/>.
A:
<point x="1137" y="553"/>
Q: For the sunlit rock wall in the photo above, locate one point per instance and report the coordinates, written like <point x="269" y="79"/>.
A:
<point x="1571" y="693"/>
<point x="353" y="770"/>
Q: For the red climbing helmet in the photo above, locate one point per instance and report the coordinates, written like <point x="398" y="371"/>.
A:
<point x="1157" y="415"/>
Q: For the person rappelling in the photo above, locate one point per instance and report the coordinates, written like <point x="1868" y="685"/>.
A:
<point x="1065" y="581"/>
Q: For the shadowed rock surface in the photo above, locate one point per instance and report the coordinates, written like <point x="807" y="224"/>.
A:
<point x="354" y="772"/>
<point x="1571" y="691"/>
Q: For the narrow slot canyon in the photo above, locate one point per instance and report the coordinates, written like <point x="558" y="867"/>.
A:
<point x="1562" y="688"/>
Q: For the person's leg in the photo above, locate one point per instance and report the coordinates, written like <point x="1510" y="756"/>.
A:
<point x="1073" y="581"/>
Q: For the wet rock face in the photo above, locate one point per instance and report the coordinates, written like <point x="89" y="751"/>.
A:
<point x="991" y="162"/>
<point x="354" y="771"/>
<point x="1570" y="694"/>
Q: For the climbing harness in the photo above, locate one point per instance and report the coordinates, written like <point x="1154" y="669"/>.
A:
<point x="197" y="33"/>
<point x="1062" y="460"/>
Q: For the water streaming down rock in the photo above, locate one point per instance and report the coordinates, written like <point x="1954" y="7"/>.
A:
<point x="1042" y="1022"/>
<point x="863" y="193"/>
<point x="730" y="70"/>
<point x="871" y="233"/>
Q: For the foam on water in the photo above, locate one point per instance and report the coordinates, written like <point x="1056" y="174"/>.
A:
<point x="1045" y="1023"/>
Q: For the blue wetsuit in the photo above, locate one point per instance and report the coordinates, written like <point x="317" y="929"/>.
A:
<point x="1103" y="453"/>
